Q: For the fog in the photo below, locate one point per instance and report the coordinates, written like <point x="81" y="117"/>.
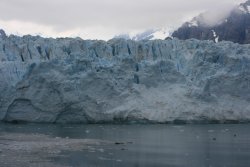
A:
<point x="215" y="16"/>
<point x="102" y="19"/>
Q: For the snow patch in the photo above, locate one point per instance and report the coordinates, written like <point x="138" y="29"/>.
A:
<point x="216" y="37"/>
<point x="152" y="34"/>
<point x="248" y="9"/>
<point x="193" y="23"/>
<point x="160" y="34"/>
<point x="244" y="9"/>
<point x="216" y="40"/>
<point x="241" y="8"/>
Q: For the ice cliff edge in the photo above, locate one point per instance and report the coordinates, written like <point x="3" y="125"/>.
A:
<point x="79" y="81"/>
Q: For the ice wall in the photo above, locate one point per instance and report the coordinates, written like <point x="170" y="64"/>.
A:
<point x="79" y="81"/>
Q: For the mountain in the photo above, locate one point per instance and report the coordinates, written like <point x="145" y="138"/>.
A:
<point x="232" y="26"/>
<point x="70" y="80"/>
<point x="151" y="34"/>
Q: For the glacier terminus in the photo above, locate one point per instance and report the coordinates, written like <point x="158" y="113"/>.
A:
<point x="70" y="80"/>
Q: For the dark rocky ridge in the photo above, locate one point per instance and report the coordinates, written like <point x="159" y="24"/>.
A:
<point x="235" y="28"/>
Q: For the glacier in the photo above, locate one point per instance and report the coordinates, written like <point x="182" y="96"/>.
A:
<point x="66" y="80"/>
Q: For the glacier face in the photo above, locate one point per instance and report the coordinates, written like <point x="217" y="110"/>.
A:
<point x="78" y="81"/>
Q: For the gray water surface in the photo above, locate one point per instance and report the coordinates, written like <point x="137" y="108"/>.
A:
<point x="151" y="145"/>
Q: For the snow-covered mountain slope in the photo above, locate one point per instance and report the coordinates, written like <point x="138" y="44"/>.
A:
<point x="76" y="81"/>
<point x="152" y="34"/>
<point x="232" y="25"/>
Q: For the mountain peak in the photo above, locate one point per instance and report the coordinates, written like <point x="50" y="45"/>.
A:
<point x="232" y="25"/>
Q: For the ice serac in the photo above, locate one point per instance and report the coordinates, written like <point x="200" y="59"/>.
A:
<point x="79" y="81"/>
<point x="2" y="34"/>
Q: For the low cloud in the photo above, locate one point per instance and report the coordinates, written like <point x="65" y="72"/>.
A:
<point x="215" y="16"/>
<point x="100" y="19"/>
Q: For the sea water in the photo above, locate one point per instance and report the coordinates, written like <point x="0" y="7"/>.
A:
<point x="150" y="145"/>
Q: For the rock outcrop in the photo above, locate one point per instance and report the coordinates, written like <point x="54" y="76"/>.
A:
<point x="78" y="81"/>
<point x="235" y="27"/>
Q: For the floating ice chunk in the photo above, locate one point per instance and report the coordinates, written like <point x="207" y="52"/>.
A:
<point x="210" y="131"/>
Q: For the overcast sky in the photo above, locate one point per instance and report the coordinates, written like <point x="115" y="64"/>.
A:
<point x="99" y="19"/>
